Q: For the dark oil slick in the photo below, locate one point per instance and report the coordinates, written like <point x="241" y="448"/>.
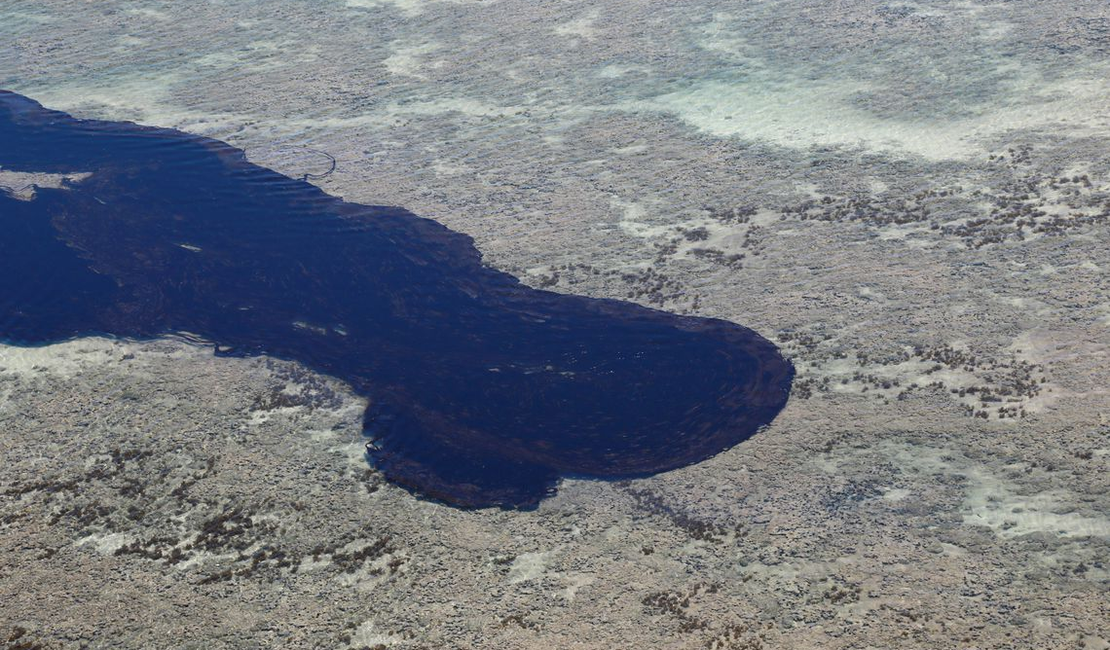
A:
<point x="483" y="391"/>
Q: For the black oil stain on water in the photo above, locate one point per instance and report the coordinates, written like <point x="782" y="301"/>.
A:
<point x="483" y="391"/>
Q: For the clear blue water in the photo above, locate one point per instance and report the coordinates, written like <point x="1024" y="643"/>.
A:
<point x="482" y="391"/>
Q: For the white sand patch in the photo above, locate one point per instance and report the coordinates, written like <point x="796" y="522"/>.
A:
<point x="1047" y="349"/>
<point x="129" y="43"/>
<point x="309" y="564"/>
<point x="895" y="495"/>
<point x="804" y="113"/>
<point x="615" y="70"/>
<point x="632" y="219"/>
<point x="1104" y="314"/>
<point x="583" y="27"/>
<point x="720" y="36"/>
<point x="402" y="113"/>
<point x="258" y="56"/>
<point x="696" y="232"/>
<point x="1009" y="385"/>
<point x="410" y="8"/>
<point x="261" y="417"/>
<point x="789" y="573"/>
<point x="631" y="150"/>
<point x="64" y="360"/>
<point x="900" y="232"/>
<point x="354" y="452"/>
<point x="321" y="435"/>
<point x="142" y="99"/>
<point x="529" y="566"/>
<point x="995" y="502"/>
<point x="200" y="558"/>
<point x="266" y="517"/>
<point x="407" y="60"/>
<point x="149" y="12"/>
<point x="575" y="582"/>
<point x="365" y="636"/>
<point x="105" y="543"/>
<point x="951" y="550"/>
<point x="801" y="116"/>
<point x="302" y="128"/>
<point x="26" y="15"/>
<point x="998" y="503"/>
<point x="22" y="185"/>
<point x="443" y="168"/>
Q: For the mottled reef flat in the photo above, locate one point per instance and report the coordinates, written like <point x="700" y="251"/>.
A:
<point x="910" y="201"/>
